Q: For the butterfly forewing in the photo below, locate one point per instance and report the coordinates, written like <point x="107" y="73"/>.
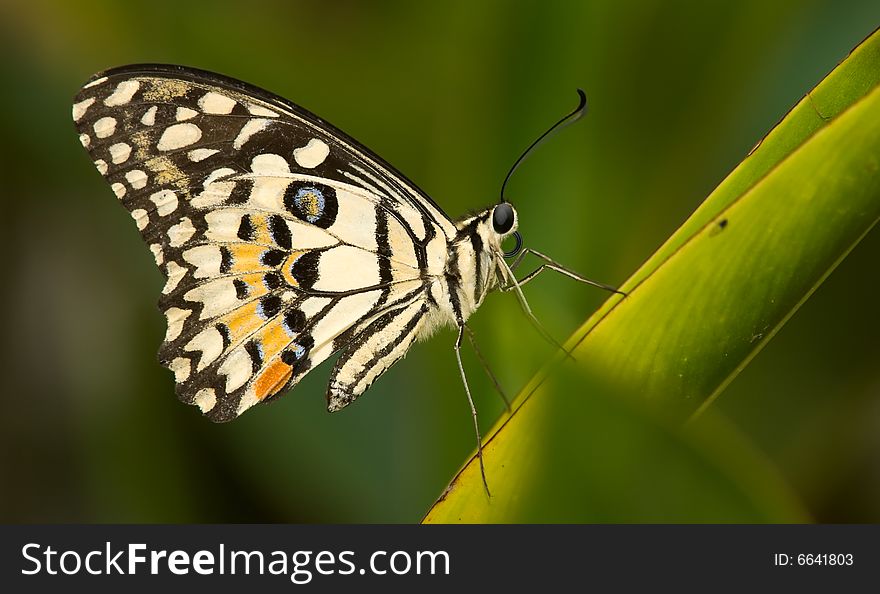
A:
<point x="282" y="240"/>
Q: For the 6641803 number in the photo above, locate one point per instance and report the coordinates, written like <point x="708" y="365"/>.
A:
<point x="825" y="559"/>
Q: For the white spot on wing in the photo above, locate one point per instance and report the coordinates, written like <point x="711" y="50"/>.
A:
<point x="179" y="136"/>
<point x="118" y="189"/>
<point x="248" y="130"/>
<point x="206" y="259"/>
<point x="120" y="152"/>
<point x="165" y="201"/>
<point x="205" y="399"/>
<point x="137" y="178"/>
<point x="209" y="342"/>
<point x="101" y="166"/>
<point x="217" y="296"/>
<point x="149" y="117"/>
<point x="123" y="93"/>
<point x="237" y="368"/>
<point x="312" y="154"/>
<point x="181" y="368"/>
<point x="157" y="253"/>
<point x="95" y="82"/>
<point x="104" y="127"/>
<point x="270" y="164"/>
<point x="270" y="182"/>
<point x="259" y="110"/>
<point x="79" y="109"/>
<point x="215" y="192"/>
<point x="218" y="173"/>
<point x="85" y="140"/>
<point x="223" y="224"/>
<point x="175" y="317"/>
<point x="201" y="154"/>
<point x="180" y="233"/>
<point x="185" y="113"/>
<point x="175" y="273"/>
<point x="216" y="103"/>
<point x="140" y="218"/>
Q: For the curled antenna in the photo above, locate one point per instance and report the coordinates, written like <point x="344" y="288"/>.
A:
<point x="572" y="117"/>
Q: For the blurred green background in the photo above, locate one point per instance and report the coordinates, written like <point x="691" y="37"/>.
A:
<point x="449" y="93"/>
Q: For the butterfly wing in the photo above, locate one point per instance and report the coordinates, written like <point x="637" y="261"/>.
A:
<point x="282" y="239"/>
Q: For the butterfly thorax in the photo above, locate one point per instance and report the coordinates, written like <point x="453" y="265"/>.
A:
<point x="472" y="264"/>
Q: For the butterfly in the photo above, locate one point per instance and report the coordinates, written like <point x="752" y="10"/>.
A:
<point x="283" y="240"/>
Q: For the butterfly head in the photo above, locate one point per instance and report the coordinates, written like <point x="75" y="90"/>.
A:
<point x="503" y="224"/>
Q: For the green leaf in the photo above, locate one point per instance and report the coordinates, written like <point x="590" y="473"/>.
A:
<point x="696" y="313"/>
<point x="591" y="455"/>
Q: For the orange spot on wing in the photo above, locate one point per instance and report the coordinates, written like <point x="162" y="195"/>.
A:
<point x="273" y="379"/>
<point x="274" y="339"/>
<point x="246" y="257"/>
<point x="243" y="321"/>
<point x="285" y="268"/>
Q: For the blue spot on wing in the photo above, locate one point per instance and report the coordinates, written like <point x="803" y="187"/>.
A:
<point x="312" y="202"/>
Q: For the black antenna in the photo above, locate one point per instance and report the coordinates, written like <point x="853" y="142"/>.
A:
<point x="572" y="117"/>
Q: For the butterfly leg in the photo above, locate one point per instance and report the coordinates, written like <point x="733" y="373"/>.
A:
<point x="519" y="258"/>
<point x="514" y="285"/>
<point x="550" y="264"/>
<point x="467" y="390"/>
<point x="473" y="341"/>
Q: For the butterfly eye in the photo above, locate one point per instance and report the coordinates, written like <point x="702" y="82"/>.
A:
<point x="502" y="218"/>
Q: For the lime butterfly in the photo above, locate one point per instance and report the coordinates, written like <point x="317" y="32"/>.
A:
<point x="282" y="239"/>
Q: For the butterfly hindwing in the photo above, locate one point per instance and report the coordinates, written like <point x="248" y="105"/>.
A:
<point x="282" y="240"/>
<point x="383" y="342"/>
